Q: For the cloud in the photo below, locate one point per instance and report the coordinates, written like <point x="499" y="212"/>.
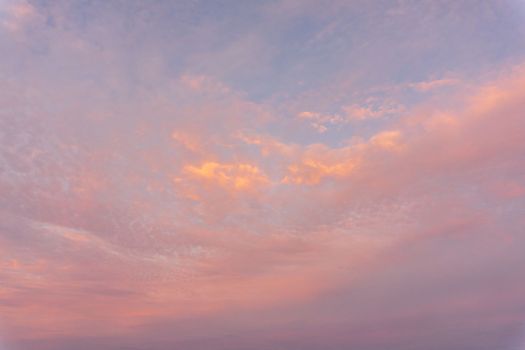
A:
<point x="356" y="112"/>
<point x="319" y="121"/>
<point x="426" y="86"/>
<point x="150" y="200"/>
<point x="337" y="222"/>
<point x="17" y="14"/>
<point x="319" y="162"/>
<point x="389" y="140"/>
<point x="372" y="109"/>
<point x="237" y="176"/>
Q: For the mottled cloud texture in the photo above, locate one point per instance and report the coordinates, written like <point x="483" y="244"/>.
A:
<point x="295" y="175"/>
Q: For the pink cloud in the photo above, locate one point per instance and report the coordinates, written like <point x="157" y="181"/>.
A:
<point x="356" y="112"/>
<point x="174" y="205"/>
<point x="426" y="86"/>
<point x="18" y="14"/>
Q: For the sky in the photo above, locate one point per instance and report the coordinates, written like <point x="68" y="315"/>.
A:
<point x="254" y="175"/>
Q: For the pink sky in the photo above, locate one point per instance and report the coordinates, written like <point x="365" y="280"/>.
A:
<point x="262" y="175"/>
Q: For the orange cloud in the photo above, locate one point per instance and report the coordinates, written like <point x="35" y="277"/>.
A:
<point x="389" y="140"/>
<point x="312" y="171"/>
<point x="188" y="141"/>
<point x="239" y="176"/>
<point x="318" y="162"/>
<point x="269" y="146"/>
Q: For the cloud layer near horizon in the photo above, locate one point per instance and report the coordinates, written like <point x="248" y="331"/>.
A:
<point x="176" y="176"/>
